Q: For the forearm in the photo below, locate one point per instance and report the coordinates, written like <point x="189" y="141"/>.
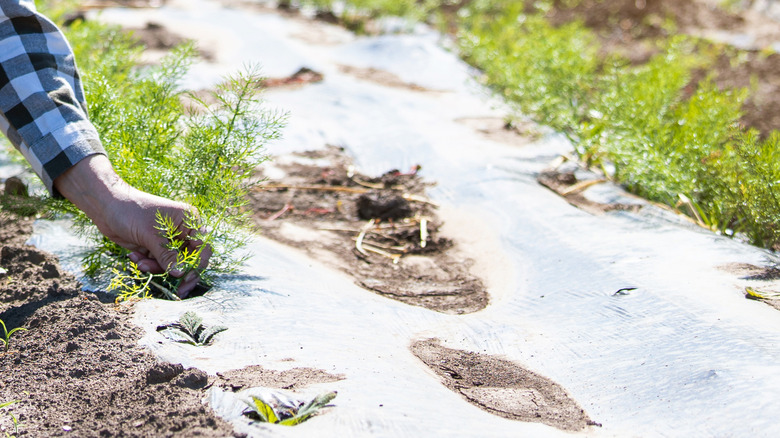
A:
<point x="91" y="185"/>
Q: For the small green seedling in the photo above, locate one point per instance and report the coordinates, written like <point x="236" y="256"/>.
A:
<point x="190" y="330"/>
<point x="13" y="418"/>
<point x="284" y="413"/>
<point x="6" y="340"/>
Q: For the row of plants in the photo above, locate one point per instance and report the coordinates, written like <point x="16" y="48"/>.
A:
<point x="660" y="134"/>
<point x="651" y="127"/>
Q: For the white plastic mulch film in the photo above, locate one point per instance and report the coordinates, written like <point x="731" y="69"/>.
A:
<point x="683" y="354"/>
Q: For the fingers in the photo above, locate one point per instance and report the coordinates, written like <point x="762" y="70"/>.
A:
<point x="145" y="263"/>
<point x="188" y="284"/>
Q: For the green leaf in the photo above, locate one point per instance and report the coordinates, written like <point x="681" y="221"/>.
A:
<point x="8" y="403"/>
<point x="191" y="323"/>
<point x="178" y="335"/>
<point x="293" y="421"/>
<point x="310" y="409"/>
<point x="208" y="333"/>
<point x="264" y="410"/>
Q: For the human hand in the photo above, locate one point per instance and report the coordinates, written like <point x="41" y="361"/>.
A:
<point x="127" y="217"/>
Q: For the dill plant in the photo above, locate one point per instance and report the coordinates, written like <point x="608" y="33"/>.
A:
<point x="546" y="73"/>
<point x="669" y="139"/>
<point x="202" y="153"/>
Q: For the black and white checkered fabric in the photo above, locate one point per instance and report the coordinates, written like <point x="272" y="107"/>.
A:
<point x="44" y="113"/>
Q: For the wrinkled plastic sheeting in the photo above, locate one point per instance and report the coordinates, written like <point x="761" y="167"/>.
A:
<point x="683" y="354"/>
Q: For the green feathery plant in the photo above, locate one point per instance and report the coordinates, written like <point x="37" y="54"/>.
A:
<point x="166" y="141"/>
<point x="6" y="339"/>
<point x="285" y="414"/>
<point x="668" y="139"/>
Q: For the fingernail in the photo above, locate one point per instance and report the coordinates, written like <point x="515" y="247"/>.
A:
<point x="176" y="272"/>
<point x="144" y="267"/>
<point x="134" y="257"/>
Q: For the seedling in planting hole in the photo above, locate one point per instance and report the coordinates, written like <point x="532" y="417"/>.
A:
<point x="190" y="330"/>
<point x="284" y="413"/>
<point x="6" y="340"/>
<point x="130" y="282"/>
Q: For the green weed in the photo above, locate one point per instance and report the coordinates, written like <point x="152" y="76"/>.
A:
<point x="6" y="339"/>
<point x="190" y="330"/>
<point x="285" y="414"/>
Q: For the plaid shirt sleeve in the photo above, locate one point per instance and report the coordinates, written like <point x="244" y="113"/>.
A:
<point x="44" y="113"/>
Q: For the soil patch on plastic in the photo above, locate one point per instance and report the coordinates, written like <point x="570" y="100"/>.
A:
<point x="566" y="184"/>
<point x="502" y="387"/>
<point x="515" y="132"/>
<point x="77" y="369"/>
<point x="383" y="231"/>
<point x="761" y="283"/>
<point x="380" y="77"/>
<point x="256" y="376"/>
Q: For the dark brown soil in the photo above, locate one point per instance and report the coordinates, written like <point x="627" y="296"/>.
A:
<point x="502" y="387"/>
<point x="77" y="369"/>
<point x="326" y="210"/>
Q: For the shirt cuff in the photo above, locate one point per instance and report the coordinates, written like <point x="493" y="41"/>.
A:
<point x="55" y="153"/>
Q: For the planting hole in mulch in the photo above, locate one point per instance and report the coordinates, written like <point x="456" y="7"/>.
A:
<point x="78" y="368"/>
<point x="383" y="231"/>
<point x="502" y="387"/>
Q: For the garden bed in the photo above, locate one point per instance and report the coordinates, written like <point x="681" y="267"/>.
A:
<point x="78" y="367"/>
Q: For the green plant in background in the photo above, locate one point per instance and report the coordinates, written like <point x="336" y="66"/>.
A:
<point x="758" y="185"/>
<point x="6" y="339"/>
<point x="664" y="145"/>
<point x="197" y="149"/>
<point x="546" y="73"/>
<point x="286" y="414"/>
<point x="190" y="330"/>
<point x="667" y="138"/>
